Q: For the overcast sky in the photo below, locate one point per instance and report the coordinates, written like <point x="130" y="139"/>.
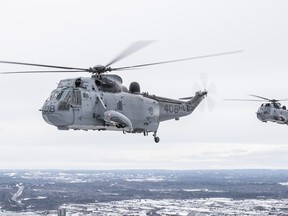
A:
<point x="87" y="33"/>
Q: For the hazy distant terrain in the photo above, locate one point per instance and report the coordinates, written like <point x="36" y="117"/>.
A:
<point x="145" y="192"/>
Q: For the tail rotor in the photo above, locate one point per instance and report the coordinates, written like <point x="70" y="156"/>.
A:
<point x="207" y="84"/>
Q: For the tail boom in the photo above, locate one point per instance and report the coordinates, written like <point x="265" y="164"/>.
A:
<point x="176" y="109"/>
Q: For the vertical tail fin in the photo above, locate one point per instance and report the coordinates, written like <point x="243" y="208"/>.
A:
<point x="195" y="100"/>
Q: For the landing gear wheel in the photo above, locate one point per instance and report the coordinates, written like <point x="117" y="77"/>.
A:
<point x="156" y="139"/>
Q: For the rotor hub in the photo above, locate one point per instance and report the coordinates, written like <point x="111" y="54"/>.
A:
<point x="99" y="69"/>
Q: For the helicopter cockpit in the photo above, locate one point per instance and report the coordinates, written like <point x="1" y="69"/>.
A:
<point x="65" y="97"/>
<point x="59" y="108"/>
<point x="264" y="111"/>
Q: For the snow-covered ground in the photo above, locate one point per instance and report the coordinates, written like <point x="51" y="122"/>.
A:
<point x="195" y="207"/>
<point x="254" y="192"/>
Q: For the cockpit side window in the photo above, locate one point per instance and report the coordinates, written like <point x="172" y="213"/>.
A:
<point x="76" y="97"/>
<point x="68" y="97"/>
<point x="73" y="97"/>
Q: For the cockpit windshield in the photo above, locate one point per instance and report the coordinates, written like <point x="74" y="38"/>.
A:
<point x="55" y="95"/>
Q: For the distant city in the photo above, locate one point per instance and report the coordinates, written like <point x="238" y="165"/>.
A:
<point x="143" y="192"/>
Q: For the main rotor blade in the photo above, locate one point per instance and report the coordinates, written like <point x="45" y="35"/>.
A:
<point x="177" y="60"/>
<point x="42" y="65"/>
<point x="271" y="100"/>
<point x="33" y="72"/>
<point x="260" y="97"/>
<point x="128" y="51"/>
<point x="243" y="100"/>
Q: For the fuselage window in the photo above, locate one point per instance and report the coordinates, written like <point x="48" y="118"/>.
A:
<point x="119" y="105"/>
<point x="85" y="95"/>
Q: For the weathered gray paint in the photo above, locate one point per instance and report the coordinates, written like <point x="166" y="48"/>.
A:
<point x="107" y="105"/>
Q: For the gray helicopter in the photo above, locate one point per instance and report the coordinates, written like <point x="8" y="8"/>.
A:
<point x="101" y="102"/>
<point x="272" y="111"/>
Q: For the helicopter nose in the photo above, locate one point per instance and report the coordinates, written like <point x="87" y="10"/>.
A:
<point x="47" y="110"/>
<point x="54" y="117"/>
<point x="261" y="114"/>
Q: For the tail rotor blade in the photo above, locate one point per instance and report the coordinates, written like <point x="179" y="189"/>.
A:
<point x="208" y="104"/>
<point x="212" y="89"/>
<point x="211" y="104"/>
<point x="204" y="79"/>
<point x="206" y="83"/>
<point x="196" y="86"/>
